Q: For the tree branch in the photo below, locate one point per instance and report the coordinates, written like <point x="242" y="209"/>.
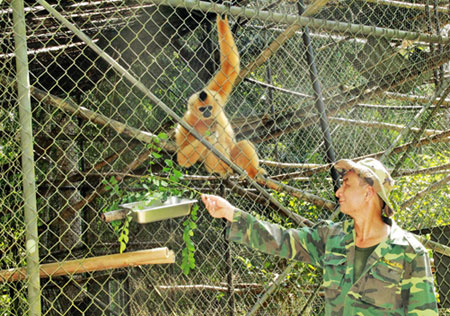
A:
<point x="407" y="5"/>
<point x="101" y="189"/>
<point x="278" y="42"/>
<point x="416" y="98"/>
<point x="433" y="187"/>
<point x="395" y="127"/>
<point x="93" y="117"/>
<point x="311" y="198"/>
<point x="442" y="137"/>
<point x="432" y="170"/>
<point x="276" y="164"/>
<point x="351" y="98"/>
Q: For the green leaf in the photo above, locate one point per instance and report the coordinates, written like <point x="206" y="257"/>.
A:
<point x="174" y="179"/>
<point x="177" y="173"/>
<point x="163" y="183"/>
<point x="156" y="155"/>
<point x="163" y="136"/>
<point x="168" y="162"/>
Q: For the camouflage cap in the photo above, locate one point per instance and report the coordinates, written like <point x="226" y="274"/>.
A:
<point x="374" y="173"/>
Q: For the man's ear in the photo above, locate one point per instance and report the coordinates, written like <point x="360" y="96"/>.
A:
<point x="370" y="191"/>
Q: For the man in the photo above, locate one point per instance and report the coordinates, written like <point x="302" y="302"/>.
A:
<point x="370" y="265"/>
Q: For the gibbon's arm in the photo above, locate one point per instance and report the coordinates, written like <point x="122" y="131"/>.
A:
<point x="223" y="81"/>
<point x="190" y="149"/>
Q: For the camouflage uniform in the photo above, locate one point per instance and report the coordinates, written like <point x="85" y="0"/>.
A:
<point x="396" y="280"/>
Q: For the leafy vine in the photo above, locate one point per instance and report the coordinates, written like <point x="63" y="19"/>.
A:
<point x="156" y="188"/>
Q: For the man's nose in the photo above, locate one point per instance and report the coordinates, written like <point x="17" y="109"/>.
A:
<point x="338" y="192"/>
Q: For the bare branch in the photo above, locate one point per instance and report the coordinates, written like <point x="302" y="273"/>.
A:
<point x="415" y="98"/>
<point x="432" y="170"/>
<point x="275" y="164"/>
<point x="100" y="190"/>
<point x="407" y="5"/>
<point x="442" y="137"/>
<point x="278" y="42"/>
<point x="350" y="98"/>
<point x="93" y="117"/>
<point x="314" y="199"/>
<point x="433" y="187"/>
<point x="395" y="107"/>
<point x="395" y="127"/>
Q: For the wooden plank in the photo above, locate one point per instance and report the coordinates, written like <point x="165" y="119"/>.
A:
<point x="122" y="260"/>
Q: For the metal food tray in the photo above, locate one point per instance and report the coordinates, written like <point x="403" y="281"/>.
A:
<point x="156" y="210"/>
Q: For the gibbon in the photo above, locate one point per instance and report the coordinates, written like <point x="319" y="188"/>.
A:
<point x="206" y="114"/>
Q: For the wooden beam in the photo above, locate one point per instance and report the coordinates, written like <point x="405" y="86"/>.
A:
<point x="122" y="260"/>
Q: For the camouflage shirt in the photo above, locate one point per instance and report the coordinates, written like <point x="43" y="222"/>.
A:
<point x="397" y="279"/>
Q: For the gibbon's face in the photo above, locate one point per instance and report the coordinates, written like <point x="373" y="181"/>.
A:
<point x="204" y="105"/>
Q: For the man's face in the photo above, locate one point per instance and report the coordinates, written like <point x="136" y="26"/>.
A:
<point x="351" y="194"/>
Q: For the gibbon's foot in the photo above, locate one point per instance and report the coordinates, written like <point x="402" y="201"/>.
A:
<point x="242" y="177"/>
<point x="255" y="172"/>
<point x="254" y="175"/>
<point x="261" y="172"/>
<point x="222" y="174"/>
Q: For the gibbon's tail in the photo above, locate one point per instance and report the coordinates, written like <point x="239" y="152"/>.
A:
<point x="223" y="81"/>
<point x="244" y="155"/>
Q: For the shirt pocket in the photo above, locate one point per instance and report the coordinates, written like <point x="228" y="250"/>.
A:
<point x="382" y="286"/>
<point x="334" y="267"/>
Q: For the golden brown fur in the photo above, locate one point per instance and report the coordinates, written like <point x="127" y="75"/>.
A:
<point x="206" y="114"/>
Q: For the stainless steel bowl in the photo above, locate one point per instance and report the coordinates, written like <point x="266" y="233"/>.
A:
<point x="156" y="210"/>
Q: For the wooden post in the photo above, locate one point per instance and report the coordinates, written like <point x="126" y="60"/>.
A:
<point x="136" y="258"/>
<point x="111" y="216"/>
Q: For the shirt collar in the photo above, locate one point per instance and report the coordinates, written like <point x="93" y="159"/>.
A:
<point x="397" y="236"/>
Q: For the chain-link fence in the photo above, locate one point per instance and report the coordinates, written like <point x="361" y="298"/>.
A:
<point x="91" y="94"/>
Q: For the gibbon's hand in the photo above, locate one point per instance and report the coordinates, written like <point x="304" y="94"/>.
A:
<point x="218" y="207"/>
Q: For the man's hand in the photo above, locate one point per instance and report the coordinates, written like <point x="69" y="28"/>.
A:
<point x="218" y="207"/>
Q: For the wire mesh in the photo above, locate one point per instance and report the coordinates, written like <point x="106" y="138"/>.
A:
<point x="99" y="142"/>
